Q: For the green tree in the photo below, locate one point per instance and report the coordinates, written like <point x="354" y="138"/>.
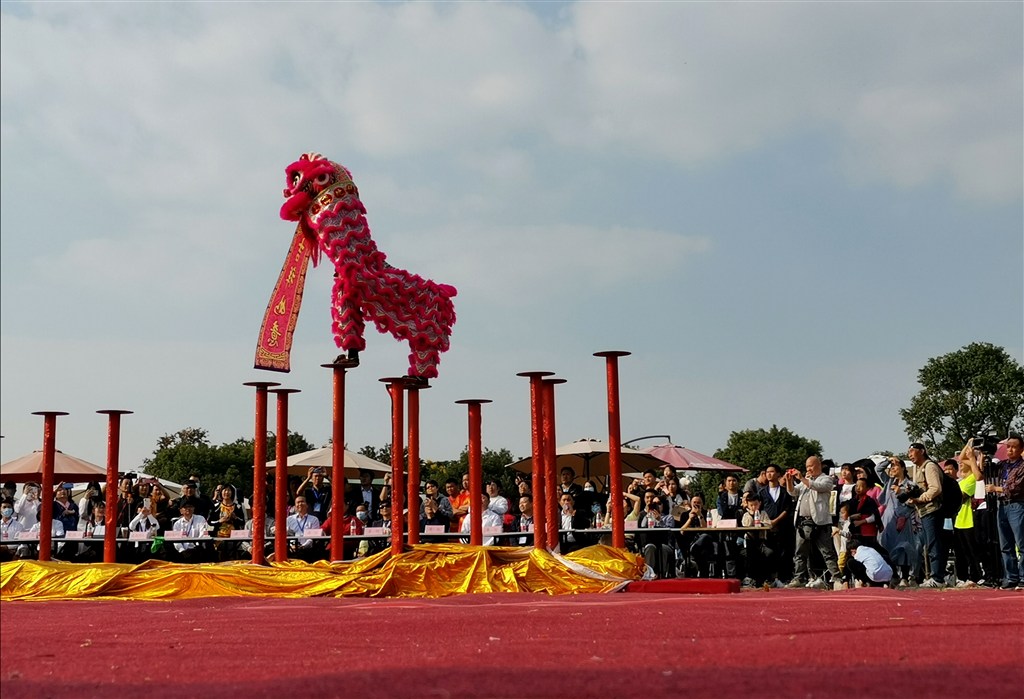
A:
<point x="189" y="451"/>
<point x="976" y="390"/>
<point x="753" y="450"/>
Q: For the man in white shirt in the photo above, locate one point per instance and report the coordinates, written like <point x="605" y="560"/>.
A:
<point x="10" y="527"/>
<point x="191" y="526"/>
<point x="303" y="548"/>
<point x="866" y="565"/>
<point x="496" y="502"/>
<point x="490" y="518"/>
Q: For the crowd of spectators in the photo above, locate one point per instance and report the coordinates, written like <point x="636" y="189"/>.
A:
<point x="893" y="523"/>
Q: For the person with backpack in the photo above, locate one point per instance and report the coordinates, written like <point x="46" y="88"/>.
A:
<point x="927" y="475"/>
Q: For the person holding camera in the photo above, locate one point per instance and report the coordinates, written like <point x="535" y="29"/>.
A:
<point x="927" y="475"/>
<point x="26" y="509"/>
<point x="812" y="493"/>
<point x="899" y="520"/>
<point x="316" y="492"/>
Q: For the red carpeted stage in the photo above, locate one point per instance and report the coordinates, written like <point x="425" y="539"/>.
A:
<point x="803" y="643"/>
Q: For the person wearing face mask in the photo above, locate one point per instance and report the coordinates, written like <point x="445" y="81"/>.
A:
<point x="9" y="530"/>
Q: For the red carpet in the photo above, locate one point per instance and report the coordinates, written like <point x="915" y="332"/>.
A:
<point x="802" y="643"/>
<point x="685" y="586"/>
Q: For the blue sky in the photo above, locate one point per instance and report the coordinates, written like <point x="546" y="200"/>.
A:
<point x="782" y="209"/>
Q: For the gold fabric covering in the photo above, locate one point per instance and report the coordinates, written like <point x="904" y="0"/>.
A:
<point x="426" y="570"/>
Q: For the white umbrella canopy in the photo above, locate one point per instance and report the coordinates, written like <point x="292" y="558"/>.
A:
<point x="66" y="468"/>
<point x="589" y="459"/>
<point x="298" y="464"/>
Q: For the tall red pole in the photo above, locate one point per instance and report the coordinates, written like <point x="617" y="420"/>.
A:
<point x="395" y="390"/>
<point x="413" y="496"/>
<point x="46" y="487"/>
<point x="281" y="475"/>
<point x="476" y="470"/>
<point x="539" y="484"/>
<point x="615" y="445"/>
<point x="550" y="460"/>
<point x="338" y="455"/>
<point x="259" y="473"/>
<point x="113" y="460"/>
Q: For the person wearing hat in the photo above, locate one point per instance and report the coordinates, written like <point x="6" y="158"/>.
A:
<point x="927" y="475"/>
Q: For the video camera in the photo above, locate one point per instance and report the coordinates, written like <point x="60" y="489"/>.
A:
<point x="986" y="444"/>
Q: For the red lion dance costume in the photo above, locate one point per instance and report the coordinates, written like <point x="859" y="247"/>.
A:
<point x="321" y="196"/>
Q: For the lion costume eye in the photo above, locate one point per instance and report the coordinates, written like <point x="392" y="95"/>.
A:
<point x="295" y="179"/>
<point x="323" y="178"/>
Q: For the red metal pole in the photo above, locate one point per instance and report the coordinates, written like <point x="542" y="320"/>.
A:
<point x="539" y="484"/>
<point x="259" y="472"/>
<point x="476" y="471"/>
<point x="413" y="497"/>
<point x="46" y="487"/>
<point x="281" y="475"/>
<point x="614" y="446"/>
<point x="395" y="390"/>
<point x="550" y="463"/>
<point x="113" y="459"/>
<point x="338" y="455"/>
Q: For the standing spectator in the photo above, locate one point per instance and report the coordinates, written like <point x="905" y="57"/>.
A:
<point x="568" y="484"/>
<point x="755" y="484"/>
<point x="777" y="504"/>
<point x="1010" y="513"/>
<point x="927" y="475"/>
<point x="316" y="492"/>
<point x="64" y="508"/>
<point x="965" y="552"/>
<point x="459" y="498"/>
<point x="899" y="520"/>
<point x="365" y="493"/>
<point x="755" y="543"/>
<point x="26" y="509"/>
<point x="729" y="499"/>
<point x="864" y="515"/>
<point x="812" y="493"/>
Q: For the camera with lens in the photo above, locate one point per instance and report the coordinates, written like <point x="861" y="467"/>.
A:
<point x="986" y="444"/>
<point x="911" y="490"/>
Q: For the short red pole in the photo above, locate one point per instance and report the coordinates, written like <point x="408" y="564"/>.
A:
<point x="259" y="473"/>
<point x="395" y="390"/>
<point x="476" y="470"/>
<point x="281" y="475"/>
<point x="113" y="462"/>
<point x="550" y="460"/>
<point x="539" y="484"/>
<point x="46" y="487"/>
<point x="413" y="498"/>
<point x="614" y="446"/>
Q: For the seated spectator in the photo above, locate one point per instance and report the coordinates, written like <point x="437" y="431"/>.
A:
<point x="698" y="545"/>
<point x="92" y="493"/>
<point x="144" y="521"/>
<point x="489" y="518"/>
<point x="524" y="522"/>
<point x="432" y="516"/>
<point x="10" y="527"/>
<point x="227" y="516"/>
<point x="867" y="566"/>
<point x="268" y="532"/>
<point x="497" y="502"/>
<point x="95" y="527"/>
<point x="301" y="547"/>
<point x="191" y="526"/>
<point x="658" y="550"/>
<point x="32" y="550"/>
<point x="433" y="492"/>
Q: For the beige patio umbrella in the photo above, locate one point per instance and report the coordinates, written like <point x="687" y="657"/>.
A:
<point x="298" y="464"/>
<point x="66" y="468"/>
<point x="589" y="459"/>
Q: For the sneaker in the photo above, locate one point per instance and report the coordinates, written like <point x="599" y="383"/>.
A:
<point x="1007" y="585"/>
<point x="777" y="584"/>
<point x="1020" y="588"/>
<point x="794" y="583"/>
<point x="902" y="584"/>
<point x="817" y="584"/>
<point x="961" y="585"/>
<point x="842" y="586"/>
<point x="932" y="583"/>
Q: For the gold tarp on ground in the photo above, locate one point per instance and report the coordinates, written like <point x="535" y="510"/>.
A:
<point x="426" y="570"/>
